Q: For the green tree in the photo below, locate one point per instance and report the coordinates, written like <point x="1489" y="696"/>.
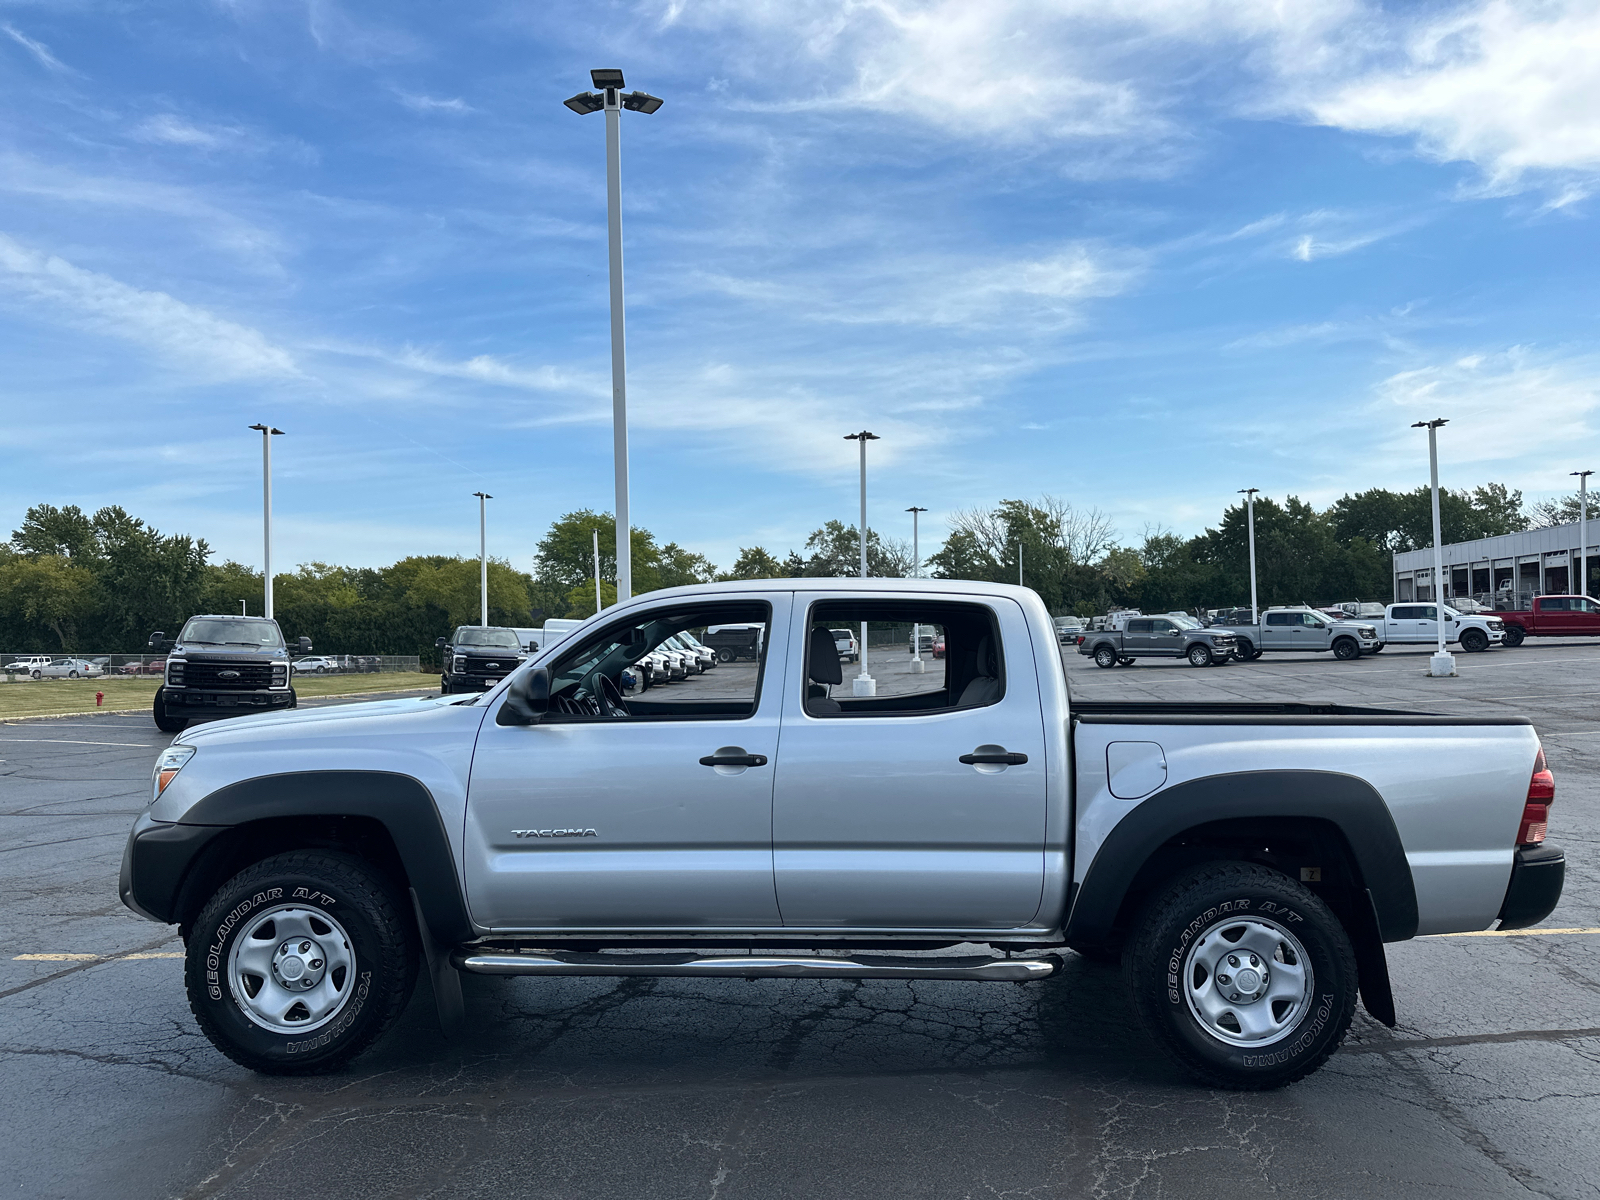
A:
<point x="46" y="592"/>
<point x="835" y="550"/>
<point x="755" y="563"/>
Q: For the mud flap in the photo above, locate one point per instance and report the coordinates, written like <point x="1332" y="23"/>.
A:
<point x="445" y="979"/>
<point x="1371" y="962"/>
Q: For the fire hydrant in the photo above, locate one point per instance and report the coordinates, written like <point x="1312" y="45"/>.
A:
<point x="99" y="698"/>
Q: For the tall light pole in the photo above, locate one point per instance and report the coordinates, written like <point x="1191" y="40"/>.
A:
<point x="1249" y="495"/>
<point x="267" y="434"/>
<point x="483" y="557"/>
<point x="1442" y="663"/>
<point x="1019" y="560"/>
<point x="597" y="603"/>
<point x="612" y="102"/>
<point x="1583" y="531"/>
<point x="917" y="665"/>
<point x="863" y="684"/>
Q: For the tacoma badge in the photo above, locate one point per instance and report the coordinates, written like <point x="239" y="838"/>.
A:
<point x="554" y="833"/>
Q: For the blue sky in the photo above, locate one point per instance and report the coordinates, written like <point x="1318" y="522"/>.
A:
<point x="1137" y="261"/>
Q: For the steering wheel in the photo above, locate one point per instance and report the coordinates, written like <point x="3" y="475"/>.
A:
<point x="610" y="698"/>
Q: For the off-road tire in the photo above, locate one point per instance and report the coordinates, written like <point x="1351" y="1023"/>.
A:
<point x="1347" y="649"/>
<point x="1201" y="903"/>
<point x="1474" y="641"/>
<point x="1513" y="636"/>
<point x="1245" y="650"/>
<point x="164" y="722"/>
<point x="1200" y="656"/>
<point x="1105" y="656"/>
<point x="383" y="944"/>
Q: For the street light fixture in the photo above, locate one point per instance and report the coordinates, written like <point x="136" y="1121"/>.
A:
<point x="483" y="557"/>
<point x="267" y="434"/>
<point x="1443" y="663"/>
<point x="917" y="665"/>
<point x="1583" y="530"/>
<point x="1249" y="495"/>
<point x="612" y="102"/>
<point x="863" y="684"/>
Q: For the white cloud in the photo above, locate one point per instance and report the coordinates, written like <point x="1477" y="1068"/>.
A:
<point x="209" y="345"/>
<point x="485" y="368"/>
<point x="167" y="129"/>
<point x="1501" y="405"/>
<point x="1509" y="86"/>
<point x="39" y="50"/>
<point x="430" y="104"/>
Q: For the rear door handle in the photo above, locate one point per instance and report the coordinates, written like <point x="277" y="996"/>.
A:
<point x="1003" y="758"/>
<point x="734" y="760"/>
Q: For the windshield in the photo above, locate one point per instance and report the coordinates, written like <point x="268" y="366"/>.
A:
<point x="689" y="639"/>
<point x="1183" y="622"/>
<point x="499" y="639"/>
<point x="220" y="631"/>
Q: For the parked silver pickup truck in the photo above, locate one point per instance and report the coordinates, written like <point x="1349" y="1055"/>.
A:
<point x="1247" y="862"/>
<point x="1303" y="630"/>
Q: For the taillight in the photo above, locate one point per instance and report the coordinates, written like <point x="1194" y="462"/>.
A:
<point x="1536" y="811"/>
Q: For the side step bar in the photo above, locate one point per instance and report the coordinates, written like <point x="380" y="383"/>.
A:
<point x="759" y="966"/>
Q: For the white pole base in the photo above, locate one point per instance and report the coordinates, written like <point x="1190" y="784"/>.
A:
<point x="1442" y="665"/>
<point x="864" y="685"/>
<point x="918" y="666"/>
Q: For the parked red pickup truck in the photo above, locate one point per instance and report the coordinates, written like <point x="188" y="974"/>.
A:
<point x="1553" y="616"/>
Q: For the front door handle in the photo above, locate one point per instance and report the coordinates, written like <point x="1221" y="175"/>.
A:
<point x="734" y="760"/>
<point x="1001" y="758"/>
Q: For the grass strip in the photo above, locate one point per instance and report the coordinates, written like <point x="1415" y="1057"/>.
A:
<point x="59" y="697"/>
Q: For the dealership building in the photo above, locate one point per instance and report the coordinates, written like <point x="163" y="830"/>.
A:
<point x="1512" y="568"/>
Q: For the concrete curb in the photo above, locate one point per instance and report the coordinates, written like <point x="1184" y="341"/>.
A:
<point x="107" y="712"/>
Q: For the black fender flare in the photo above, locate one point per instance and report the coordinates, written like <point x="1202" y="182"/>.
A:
<point x="1349" y="803"/>
<point x="400" y="803"/>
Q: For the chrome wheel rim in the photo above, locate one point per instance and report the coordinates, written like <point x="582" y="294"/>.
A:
<point x="1199" y="655"/>
<point x="1247" y="981"/>
<point x="291" y="969"/>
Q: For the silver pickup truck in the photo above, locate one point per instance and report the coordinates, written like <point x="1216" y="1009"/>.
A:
<point x="1304" y="630"/>
<point x="1247" y="862"/>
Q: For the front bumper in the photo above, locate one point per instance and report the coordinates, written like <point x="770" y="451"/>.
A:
<point x="1537" y="875"/>
<point x="200" y="702"/>
<point x="155" y="863"/>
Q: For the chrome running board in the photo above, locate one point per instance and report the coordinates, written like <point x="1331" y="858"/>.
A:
<point x="759" y="966"/>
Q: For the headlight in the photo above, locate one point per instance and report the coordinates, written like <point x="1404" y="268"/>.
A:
<point x="174" y="670"/>
<point x="1368" y="631"/>
<point x="460" y="664"/>
<point x="172" y="761"/>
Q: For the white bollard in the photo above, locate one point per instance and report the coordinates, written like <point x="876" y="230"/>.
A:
<point x="1441" y="666"/>
<point x="864" y="685"/>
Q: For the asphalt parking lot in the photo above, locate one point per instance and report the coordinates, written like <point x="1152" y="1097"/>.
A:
<point x="777" y="1088"/>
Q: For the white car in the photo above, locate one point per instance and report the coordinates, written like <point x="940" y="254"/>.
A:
<point x="315" y="664"/>
<point x="68" y="668"/>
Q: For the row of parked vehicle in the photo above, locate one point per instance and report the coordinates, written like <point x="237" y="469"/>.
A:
<point x="337" y="664"/>
<point x="43" y="666"/>
<point x="476" y="657"/>
<point x="1299" y="629"/>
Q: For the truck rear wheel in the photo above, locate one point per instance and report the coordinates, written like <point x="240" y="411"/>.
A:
<point x="725" y="655"/>
<point x="1474" y="640"/>
<point x="1514" y="635"/>
<point x="298" y="963"/>
<point x="1105" y="656"/>
<point x="1243" y="976"/>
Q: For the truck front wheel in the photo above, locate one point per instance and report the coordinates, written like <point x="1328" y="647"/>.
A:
<point x="1245" y="650"/>
<point x="1347" y="649"/>
<point x="1105" y="656"/>
<point x="1199" y="656"/>
<point x="1474" y="640"/>
<point x="298" y="963"/>
<point x="164" y="722"/>
<point x="1244" y="977"/>
<point x="1514" y="635"/>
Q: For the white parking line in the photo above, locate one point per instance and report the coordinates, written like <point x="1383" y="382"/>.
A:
<point x="76" y="742"/>
<point x="90" y="957"/>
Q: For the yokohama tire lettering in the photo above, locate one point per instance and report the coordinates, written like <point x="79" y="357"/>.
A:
<point x="346" y="1019"/>
<point x="1299" y="1046"/>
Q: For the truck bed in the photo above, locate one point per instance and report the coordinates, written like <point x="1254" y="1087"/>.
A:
<point x="1294" y="712"/>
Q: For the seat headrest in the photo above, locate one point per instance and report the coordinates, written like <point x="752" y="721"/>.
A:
<point x="823" y="661"/>
<point x="987" y="666"/>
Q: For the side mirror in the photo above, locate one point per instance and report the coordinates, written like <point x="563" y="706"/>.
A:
<point x="636" y="644"/>
<point x="527" y="699"/>
<point x="439" y="644"/>
<point x="158" y="640"/>
<point x="305" y="645"/>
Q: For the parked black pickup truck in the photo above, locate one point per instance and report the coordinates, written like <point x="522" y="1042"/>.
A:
<point x="1159" y="637"/>
<point x="223" y="666"/>
<point x="476" y="657"/>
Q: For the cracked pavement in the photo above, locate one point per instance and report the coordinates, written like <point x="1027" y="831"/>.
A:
<point x="773" y="1088"/>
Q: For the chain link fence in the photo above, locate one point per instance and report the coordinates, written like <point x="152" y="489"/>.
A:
<point x="90" y="664"/>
